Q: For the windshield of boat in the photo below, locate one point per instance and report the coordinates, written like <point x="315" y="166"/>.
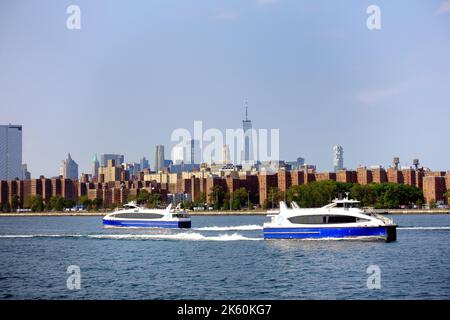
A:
<point x="347" y="205"/>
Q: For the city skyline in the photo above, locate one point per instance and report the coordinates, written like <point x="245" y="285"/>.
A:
<point x="315" y="72"/>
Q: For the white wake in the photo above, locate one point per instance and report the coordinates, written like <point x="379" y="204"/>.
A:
<point x="188" y="236"/>
<point x="231" y="228"/>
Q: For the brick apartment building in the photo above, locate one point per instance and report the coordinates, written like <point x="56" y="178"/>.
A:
<point x="201" y="183"/>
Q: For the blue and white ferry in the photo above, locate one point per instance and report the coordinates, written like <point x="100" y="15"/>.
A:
<point x="134" y="216"/>
<point x="340" y="219"/>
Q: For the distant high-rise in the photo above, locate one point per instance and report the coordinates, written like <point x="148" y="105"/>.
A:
<point x="226" y="154"/>
<point x="10" y="152"/>
<point x="118" y="159"/>
<point x="338" y="160"/>
<point x="247" y="128"/>
<point x="26" y="175"/>
<point x="143" y="164"/>
<point x="187" y="152"/>
<point x="159" y="157"/>
<point x="95" y="166"/>
<point x="178" y="154"/>
<point x="194" y="152"/>
<point x="300" y="161"/>
<point x="69" y="168"/>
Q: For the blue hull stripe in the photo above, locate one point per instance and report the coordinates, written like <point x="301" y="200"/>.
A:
<point x="305" y="233"/>
<point x="148" y="224"/>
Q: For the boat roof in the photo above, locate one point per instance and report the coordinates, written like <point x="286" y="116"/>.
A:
<point x="345" y="200"/>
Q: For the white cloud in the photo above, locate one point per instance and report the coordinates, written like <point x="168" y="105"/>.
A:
<point x="443" y="8"/>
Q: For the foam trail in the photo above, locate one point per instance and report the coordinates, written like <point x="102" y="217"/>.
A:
<point x="231" y="228"/>
<point x="423" y="228"/>
<point x="187" y="236"/>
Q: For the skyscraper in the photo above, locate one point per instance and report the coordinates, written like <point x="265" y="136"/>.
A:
<point x="143" y="164"/>
<point x="69" y="168"/>
<point x="338" y="160"/>
<point x="178" y="154"/>
<point x="194" y="152"/>
<point x="226" y="154"/>
<point x="10" y="152"/>
<point x="118" y="159"/>
<point x="247" y="128"/>
<point x="95" y="166"/>
<point x="159" y="157"/>
<point x="187" y="152"/>
<point x="26" y="175"/>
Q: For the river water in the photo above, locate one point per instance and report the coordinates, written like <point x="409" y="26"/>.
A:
<point x="220" y="258"/>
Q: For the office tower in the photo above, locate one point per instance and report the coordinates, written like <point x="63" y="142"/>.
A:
<point x="187" y="153"/>
<point x="118" y="159"/>
<point x="178" y="154"/>
<point x="195" y="155"/>
<point x="159" y="157"/>
<point x="69" y="168"/>
<point x="338" y="160"/>
<point x="300" y="161"/>
<point x="226" y="154"/>
<point x="10" y="152"/>
<point x="143" y="164"/>
<point x="247" y="127"/>
<point x="26" y="175"/>
<point x="95" y="166"/>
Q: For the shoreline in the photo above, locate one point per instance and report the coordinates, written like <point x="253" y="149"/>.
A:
<point x="216" y="213"/>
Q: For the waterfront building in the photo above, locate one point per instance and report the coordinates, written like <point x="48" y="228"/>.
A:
<point x="10" y="152"/>
<point x="159" y="157"/>
<point x="118" y="159"/>
<point x="69" y="168"/>
<point x="338" y="158"/>
<point x="346" y="176"/>
<point x="363" y="175"/>
<point x="434" y="188"/>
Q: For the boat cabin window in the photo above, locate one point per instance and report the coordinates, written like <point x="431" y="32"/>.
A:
<point x="347" y="205"/>
<point x="322" y="219"/>
<point x="139" y="215"/>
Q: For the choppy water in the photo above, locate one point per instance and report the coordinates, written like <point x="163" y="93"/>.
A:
<point x="220" y="258"/>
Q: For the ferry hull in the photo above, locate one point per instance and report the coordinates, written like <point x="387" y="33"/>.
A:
<point x="147" y="224"/>
<point x="387" y="233"/>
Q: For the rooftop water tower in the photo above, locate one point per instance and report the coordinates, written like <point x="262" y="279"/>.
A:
<point x="396" y="162"/>
<point x="416" y="163"/>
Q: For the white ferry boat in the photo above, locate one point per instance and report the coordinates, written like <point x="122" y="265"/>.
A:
<point x="134" y="216"/>
<point x="340" y="219"/>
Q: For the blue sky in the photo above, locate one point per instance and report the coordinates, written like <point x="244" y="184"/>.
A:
<point x="137" y="70"/>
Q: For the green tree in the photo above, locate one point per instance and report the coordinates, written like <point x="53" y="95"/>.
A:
<point x="15" y="203"/>
<point x="97" y="203"/>
<point x="153" y="200"/>
<point x="143" y="196"/>
<point x="37" y="204"/>
<point x="84" y="201"/>
<point x="69" y="203"/>
<point x="56" y="203"/>
<point x="217" y="197"/>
